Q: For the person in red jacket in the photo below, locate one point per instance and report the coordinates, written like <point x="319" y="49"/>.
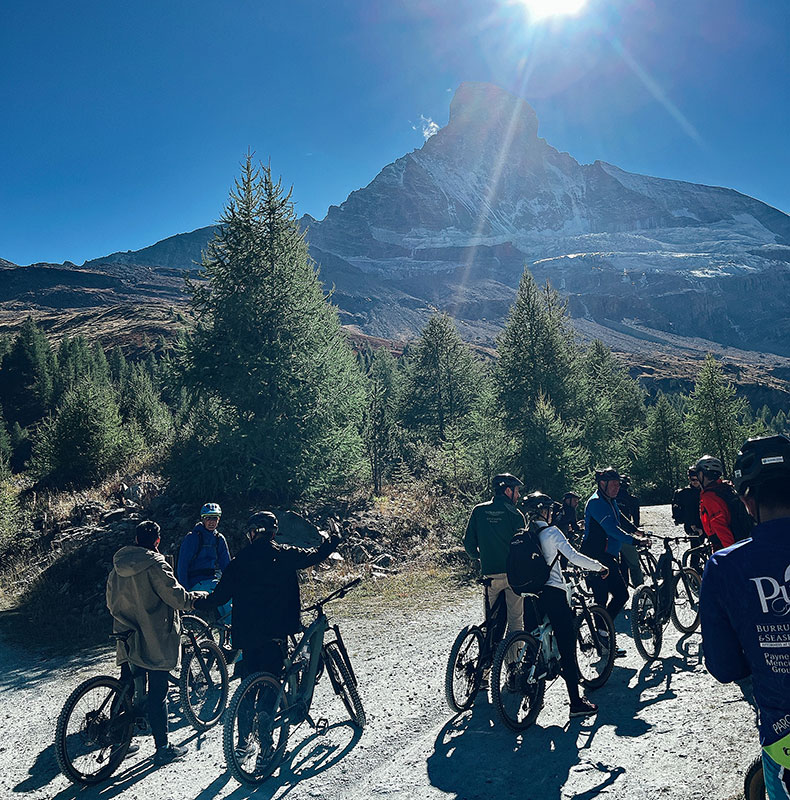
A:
<point x="713" y="511"/>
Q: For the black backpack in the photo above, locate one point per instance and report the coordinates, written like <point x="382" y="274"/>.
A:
<point x="741" y="521"/>
<point x="527" y="569"/>
<point x="678" y="507"/>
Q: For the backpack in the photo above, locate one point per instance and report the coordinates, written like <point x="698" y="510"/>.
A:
<point x="527" y="569"/>
<point x="678" y="507"/>
<point x="741" y="521"/>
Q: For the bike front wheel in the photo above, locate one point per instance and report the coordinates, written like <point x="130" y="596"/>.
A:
<point x="754" y="782"/>
<point x="203" y="684"/>
<point x="685" y="601"/>
<point x="517" y="687"/>
<point x="646" y="629"/>
<point x="464" y="672"/>
<point x="256" y="728"/>
<point x="94" y="730"/>
<point x="595" y="646"/>
<point x="344" y="685"/>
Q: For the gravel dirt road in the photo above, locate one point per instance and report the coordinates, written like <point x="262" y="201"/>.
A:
<point x="665" y="730"/>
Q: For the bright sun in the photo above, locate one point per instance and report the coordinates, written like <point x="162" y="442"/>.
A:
<point x="540" y="9"/>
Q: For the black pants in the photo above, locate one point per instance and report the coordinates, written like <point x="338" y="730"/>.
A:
<point x="156" y="699"/>
<point x="612" y="585"/>
<point x="554" y="604"/>
<point x="266" y="656"/>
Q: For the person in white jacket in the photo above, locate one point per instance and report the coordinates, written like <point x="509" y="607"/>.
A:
<point x="553" y="600"/>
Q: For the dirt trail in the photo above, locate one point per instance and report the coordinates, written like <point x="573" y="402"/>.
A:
<point x="667" y="730"/>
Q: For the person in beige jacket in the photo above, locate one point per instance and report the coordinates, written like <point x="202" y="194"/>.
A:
<point x="143" y="595"/>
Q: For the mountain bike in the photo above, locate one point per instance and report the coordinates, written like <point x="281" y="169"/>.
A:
<point x="673" y="594"/>
<point x="264" y="709"/>
<point x="754" y="781"/>
<point x="99" y="718"/>
<point x="218" y="632"/>
<point x="472" y="653"/>
<point x="697" y="557"/>
<point x="524" y="662"/>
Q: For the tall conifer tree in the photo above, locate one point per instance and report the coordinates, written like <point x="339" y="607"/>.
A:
<point x="276" y="392"/>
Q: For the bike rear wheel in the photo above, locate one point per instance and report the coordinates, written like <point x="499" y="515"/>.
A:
<point x="754" y="782"/>
<point x="685" y="600"/>
<point x="516" y="691"/>
<point x="595" y="646"/>
<point x="256" y="728"/>
<point x="203" y="685"/>
<point x="646" y="629"/>
<point x="464" y="671"/>
<point x="94" y="730"/>
<point x="344" y="685"/>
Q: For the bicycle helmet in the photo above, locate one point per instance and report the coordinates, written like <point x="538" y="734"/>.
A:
<point x="505" y="481"/>
<point x="262" y="522"/>
<point x="210" y="510"/>
<point x="607" y="474"/>
<point x="761" y="459"/>
<point x="535" y="502"/>
<point x="571" y="496"/>
<point x="709" y="465"/>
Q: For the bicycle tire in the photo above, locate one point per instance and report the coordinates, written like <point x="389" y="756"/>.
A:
<point x="203" y="688"/>
<point x="647" y="632"/>
<point x="463" y="675"/>
<point x="594" y="654"/>
<point x="197" y="625"/>
<point x="685" y="596"/>
<point x="93" y="749"/>
<point x="268" y="728"/>
<point x="754" y="781"/>
<point x="517" y="699"/>
<point x="343" y="683"/>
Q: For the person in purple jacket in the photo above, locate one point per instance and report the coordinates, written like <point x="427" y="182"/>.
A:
<point x="745" y="603"/>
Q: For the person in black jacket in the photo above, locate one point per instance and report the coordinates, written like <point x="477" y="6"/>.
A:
<point x="685" y="512"/>
<point x="264" y="586"/>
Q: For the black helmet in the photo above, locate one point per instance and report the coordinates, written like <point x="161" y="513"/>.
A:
<point x="535" y="502"/>
<point x="570" y="496"/>
<point x="760" y="460"/>
<point x="505" y="481"/>
<point x="607" y="474"/>
<point x="710" y="465"/>
<point x="263" y="521"/>
<point x="691" y="473"/>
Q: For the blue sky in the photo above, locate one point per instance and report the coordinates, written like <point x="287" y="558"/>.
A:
<point x="124" y="122"/>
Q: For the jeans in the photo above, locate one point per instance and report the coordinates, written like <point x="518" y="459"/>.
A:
<point x="777" y="779"/>
<point x="208" y="585"/>
<point x="630" y="564"/>
<point x="156" y="699"/>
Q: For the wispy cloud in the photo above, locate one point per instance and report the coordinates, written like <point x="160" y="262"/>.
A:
<point x="428" y="127"/>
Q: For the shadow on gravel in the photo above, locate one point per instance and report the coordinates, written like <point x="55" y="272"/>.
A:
<point x="312" y="756"/>
<point x="45" y="768"/>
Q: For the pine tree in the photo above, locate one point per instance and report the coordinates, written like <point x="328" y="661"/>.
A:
<point x="714" y="421"/>
<point x="661" y="464"/>
<point x="380" y="415"/>
<point x="5" y="442"/>
<point x="441" y="380"/>
<point x="141" y="406"/>
<point x="82" y="442"/>
<point x="276" y="394"/>
<point x="26" y="376"/>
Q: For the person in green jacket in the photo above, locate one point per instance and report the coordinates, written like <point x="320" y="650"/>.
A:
<point x="488" y="533"/>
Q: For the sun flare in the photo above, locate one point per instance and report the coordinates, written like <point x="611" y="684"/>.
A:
<point x="541" y="9"/>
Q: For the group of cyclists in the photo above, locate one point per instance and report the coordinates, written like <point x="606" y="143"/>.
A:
<point x="744" y="599"/>
<point x="144" y="596"/>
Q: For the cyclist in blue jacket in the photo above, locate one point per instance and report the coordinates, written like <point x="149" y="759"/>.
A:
<point x="745" y="603"/>
<point x="204" y="555"/>
<point x="605" y="531"/>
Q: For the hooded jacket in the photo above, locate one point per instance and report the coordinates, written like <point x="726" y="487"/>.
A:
<point x="143" y="595"/>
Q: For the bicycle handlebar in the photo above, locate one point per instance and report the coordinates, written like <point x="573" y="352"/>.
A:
<point x="337" y="594"/>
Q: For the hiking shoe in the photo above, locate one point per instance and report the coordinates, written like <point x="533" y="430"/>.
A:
<point x="244" y="749"/>
<point x="583" y="708"/>
<point x="168" y="753"/>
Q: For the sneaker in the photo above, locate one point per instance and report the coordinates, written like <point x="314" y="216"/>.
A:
<point x="244" y="749"/>
<point x="133" y="748"/>
<point x="583" y="708"/>
<point x="168" y="753"/>
<point x="619" y="652"/>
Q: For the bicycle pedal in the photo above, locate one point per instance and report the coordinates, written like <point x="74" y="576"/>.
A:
<point x="321" y="725"/>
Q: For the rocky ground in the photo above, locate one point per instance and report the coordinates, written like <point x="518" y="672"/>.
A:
<point x="664" y="730"/>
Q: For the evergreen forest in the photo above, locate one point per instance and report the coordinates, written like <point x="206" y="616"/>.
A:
<point x="261" y="399"/>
